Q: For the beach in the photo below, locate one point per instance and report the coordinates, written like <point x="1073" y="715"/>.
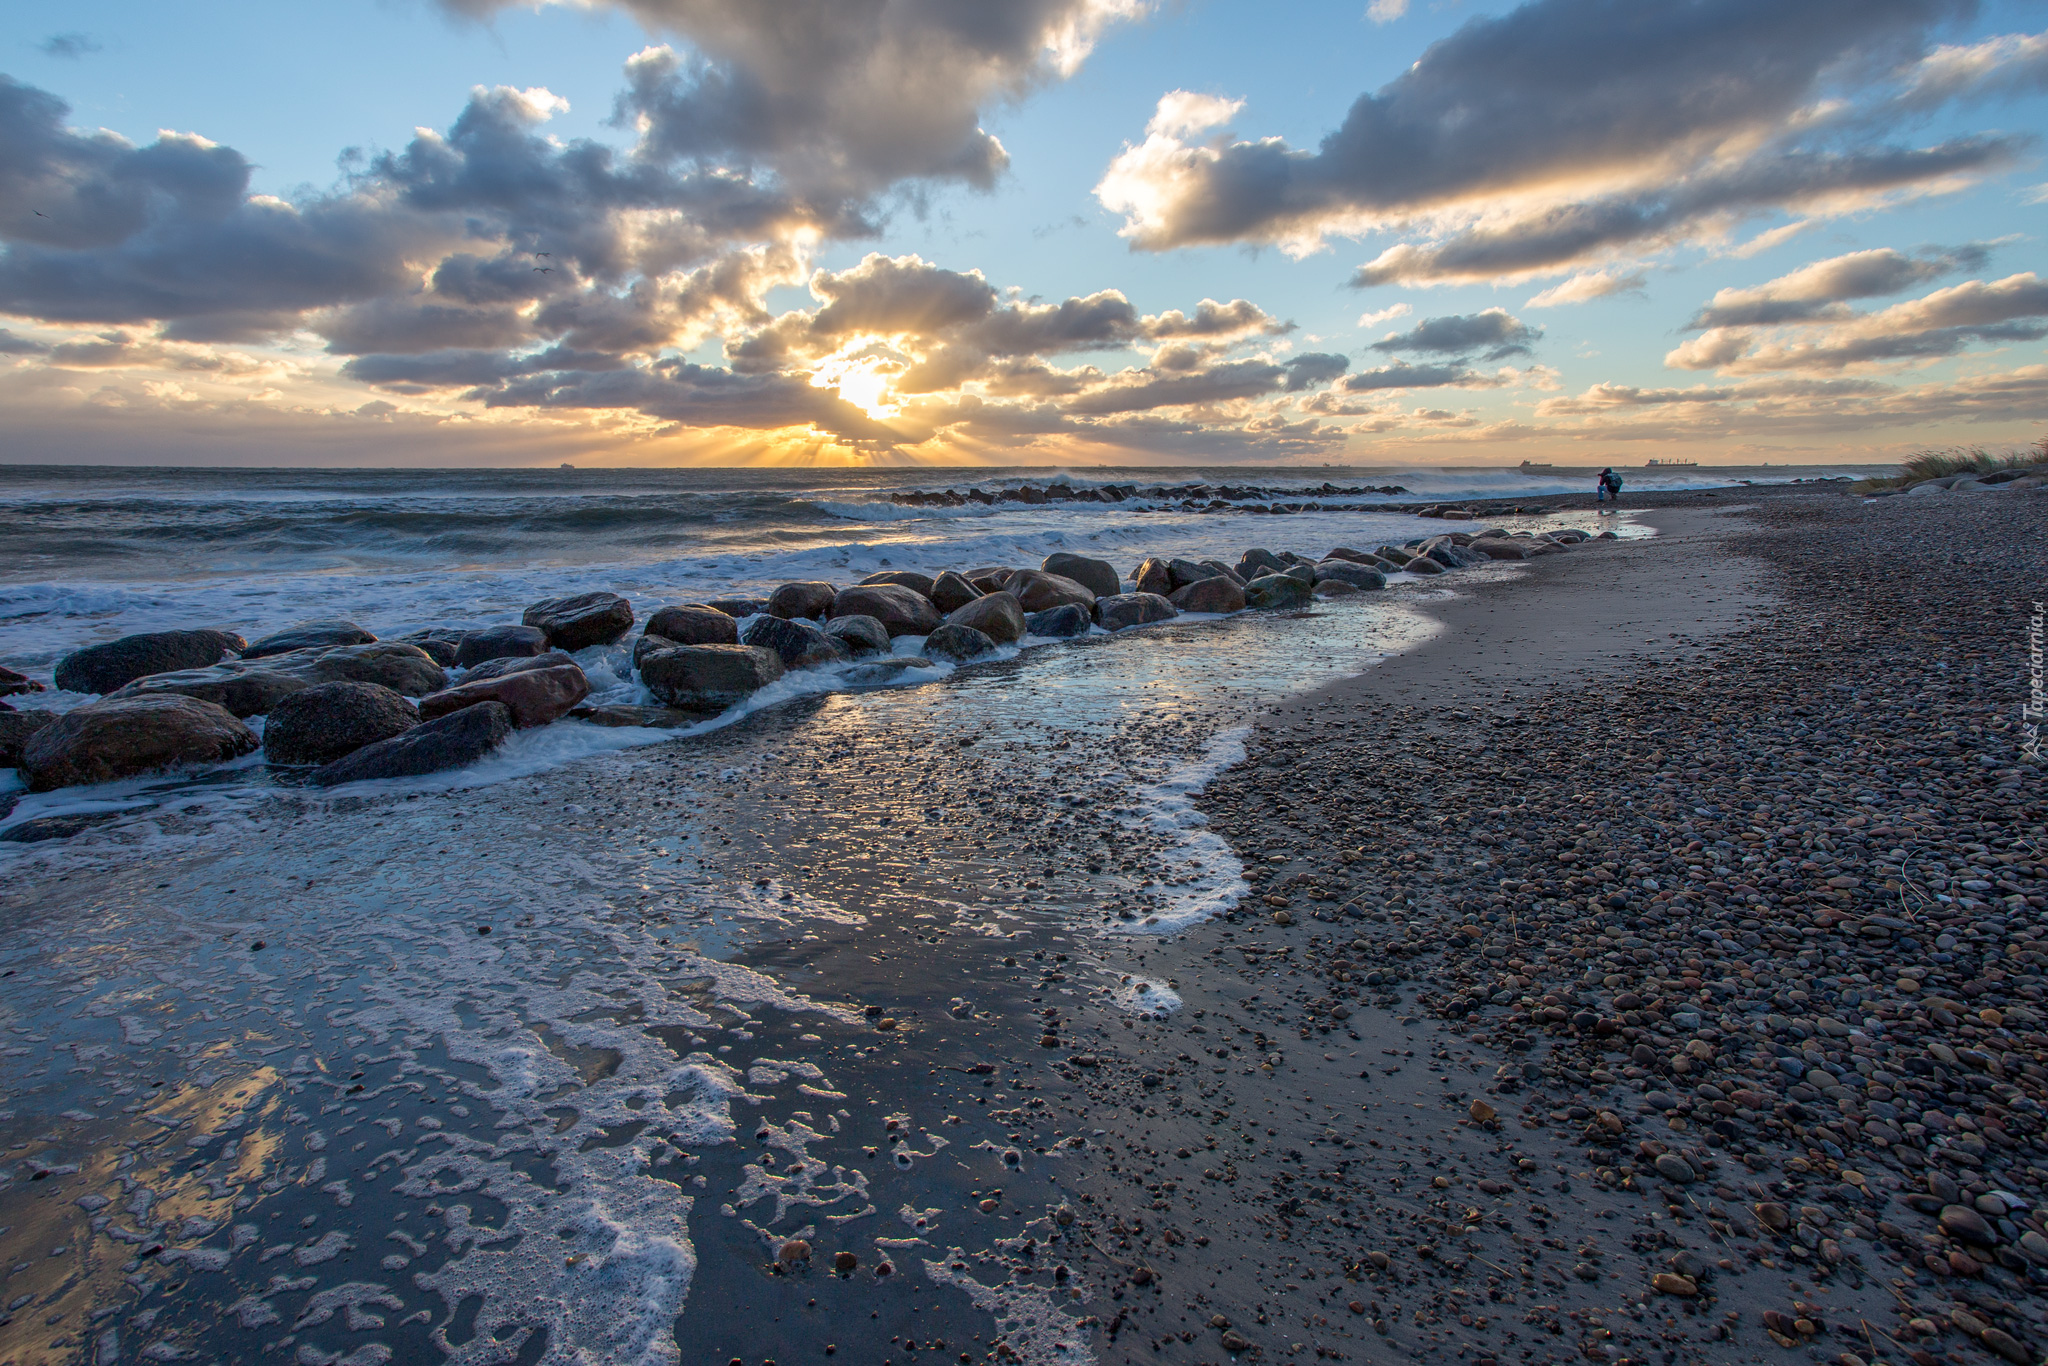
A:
<point x="1252" y="988"/>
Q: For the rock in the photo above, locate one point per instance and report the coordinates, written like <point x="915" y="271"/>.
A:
<point x="1675" y="1169"/>
<point x="1235" y="1342"/>
<point x="1422" y="564"/>
<point x="800" y="644"/>
<point x="241" y="689"/>
<point x="1126" y="610"/>
<point x="808" y="601"/>
<point x="1960" y="1221"/>
<point x="649" y="643"/>
<point x="710" y="678"/>
<point x="902" y="611"/>
<point x="312" y="635"/>
<point x="1209" y="595"/>
<point x="1277" y="592"/>
<point x="1217" y="567"/>
<point x="876" y="670"/>
<point x="950" y="592"/>
<point x="861" y="636"/>
<point x="920" y="584"/>
<point x="498" y="668"/>
<point x="15" y="728"/>
<point x="1335" y="588"/>
<point x="12" y="683"/>
<point x="320" y="724"/>
<point x="737" y="608"/>
<point x="1480" y="1112"/>
<point x="1347" y="571"/>
<point x="499" y="642"/>
<point x="1037" y="591"/>
<point x="1254" y="562"/>
<point x="998" y="615"/>
<point x="1773" y="1216"/>
<point x="1185" y="572"/>
<point x="623" y="714"/>
<point x="103" y="668"/>
<point x="121" y="737"/>
<point x="436" y="644"/>
<point x="1097" y="576"/>
<point x="1364" y="557"/>
<point x="582" y="620"/>
<point x="452" y="741"/>
<point x="400" y="666"/>
<point x="1393" y="554"/>
<point x="1060" y="623"/>
<point x="42" y="828"/>
<point x="1502" y="548"/>
<point x="534" y="697"/>
<point x="953" y="641"/>
<point x="989" y="580"/>
<point x="1671" y="1283"/>
<point x="1451" y="555"/>
<point x="2034" y="1247"/>
<point x="694" y="625"/>
<point x="1153" y="576"/>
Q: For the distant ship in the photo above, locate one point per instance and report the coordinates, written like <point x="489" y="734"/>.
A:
<point x="1671" y="464"/>
<point x="567" y="466"/>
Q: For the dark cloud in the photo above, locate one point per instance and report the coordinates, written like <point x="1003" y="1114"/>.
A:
<point x="1494" y="331"/>
<point x="1139" y="390"/>
<point x="1404" y="376"/>
<point x="1940" y="324"/>
<point x="14" y="344"/>
<point x="1312" y="368"/>
<point x="71" y="46"/>
<point x="1817" y="292"/>
<point x="1513" y="132"/>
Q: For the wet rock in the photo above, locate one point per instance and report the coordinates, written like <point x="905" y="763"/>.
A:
<point x="241" y="689"/>
<point x="710" y="678"/>
<point x="436" y="644"/>
<point x="1277" y="592"/>
<point x="400" y="666"/>
<point x="121" y="737"/>
<point x="920" y="584"/>
<point x="1335" y="588"/>
<point x="312" y="635"/>
<point x="1451" y="555"/>
<point x="1255" y="562"/>
<point x="1422" y="564"/>
<point x="39" y="829"/>
<point x="1185" y="572"/>
<point x="902" y="611"/>
<point x="320" y="724"/>
<point x="861" y="636"/>
<point x="1503" y="548"/>
<point x="650" y="643"/>
<point x="1209" y="595"/>
<point x="499" y="642"/>
<point x="1774" y="1216"/>
<point x="956" y="642"/>
<point x="800" y="644"/>
<point x="1675" y="1169"/>
<point x="1097" y="576"/>
<point x="695" y="625"/>
<point x="625" y="714"/>
<point x="794" y="601"/>
<point x="452" y="741"/>
<point x="1364" y="557"/>
<point x="534" y="697"/>
<point x="1671" y="1283"/>
<point x="736" y="607"/>
<point x="989" y="580"/>
<point x="1060" y="623"/>
<point x="1960" y="1221"/>
<point x="13" y="682"/>
<point x="104" y="668"/>
<point x="1347" y="571"/>
<point x="1038" y="591"/>
<point x="498" y="668"/>
<point x="1132" y="609"/>
<point x="877" y="670"/>
<point x="1154" y="577"/>
<point x="999" y="616"/>
<point x="581" y="620"/>
<point x="15" y="728"/>
<point x="951" y="591"/>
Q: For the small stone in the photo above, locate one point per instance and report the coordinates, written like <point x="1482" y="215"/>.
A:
<point x="793" y="1252"/>
<point x="1481" y="1112"/>
<point x="1674" y="1168"/>
<point x="1671" y="1283"/>
<point x="1960" y="1221"/>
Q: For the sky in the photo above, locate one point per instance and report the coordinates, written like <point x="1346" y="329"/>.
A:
<point x="1037" y="232"/>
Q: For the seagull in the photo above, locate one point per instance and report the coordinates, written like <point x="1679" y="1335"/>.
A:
<point x="541" y="270"/>
<point x="543" y="255"/>
<point x="39" y="213"/>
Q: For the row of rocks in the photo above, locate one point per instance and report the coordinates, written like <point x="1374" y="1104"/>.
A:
<point x="1034" y="494"/>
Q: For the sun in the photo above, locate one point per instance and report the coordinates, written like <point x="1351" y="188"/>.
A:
<point x="862" y="379"/>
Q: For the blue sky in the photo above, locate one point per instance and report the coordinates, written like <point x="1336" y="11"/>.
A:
<point x="1926" y="329"/>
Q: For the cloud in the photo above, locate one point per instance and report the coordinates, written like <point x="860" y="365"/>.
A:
<point x="1587" y="286"/>
<point x="1943" y="323"/>
<point x="1384" y="315"/>
<point x="1386" y="11"/>
<point x="1567" y="129"/>
<point x="14" y="344"/>
<point x="1402" y="375"/>
<point x="1816" y="292"/>
<point x="1495" y="331"/>
<point x="70" y="46"/>
<point x="2012" y="64"/>
<point x="1183" y="113"/>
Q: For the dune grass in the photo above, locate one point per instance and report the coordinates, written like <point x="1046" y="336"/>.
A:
<point x="1960" y="460"/>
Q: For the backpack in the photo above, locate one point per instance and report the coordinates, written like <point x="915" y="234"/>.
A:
<point x="1614" y="482"/>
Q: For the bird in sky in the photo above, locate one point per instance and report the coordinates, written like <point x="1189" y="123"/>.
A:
<point x="39" y="213"/>
<point x="542" y="270"/>
<point x="543" y="255"/>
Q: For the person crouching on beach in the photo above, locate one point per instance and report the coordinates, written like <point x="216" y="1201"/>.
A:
<point x="1609" y="487"/>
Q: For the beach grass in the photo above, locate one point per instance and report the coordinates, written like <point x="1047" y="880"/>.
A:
<point x="1959" y="460"/>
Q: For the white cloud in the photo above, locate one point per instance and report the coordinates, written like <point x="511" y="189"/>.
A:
<point x="1184" y="113"/>
<point x="1385" y="315"/>
<point x="1588" y="285"/>
<point x="1386" y="11"/>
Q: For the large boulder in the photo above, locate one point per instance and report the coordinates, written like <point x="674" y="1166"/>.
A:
<point x="651" y="643"/>
<point x="12" y="682"/>
<point x="1364" y="557"/>
<point x="990" y="580"/>
<point x="904" y="578"/>
<point x="1504" y="548"/>
<point x="1184" y="572"/>
<point x="499" y="642"/>
<point x="1351" y="572"/>
<point x="1132" y="609"/>
<point x="862" y="636"/>
<point x="103" y="668"/>
<point x="709" y="678"/>
<point x="807" y="601"/>
<point x="452" y="741"/>
<point x="1452" y="554"/>
<point x="950" y="592"/>
<point x="1154" y="577"/>
<point x="311" y="635"/>
<point x="1097" y="576"/>
<point x="1391" y="553"/>
<point x="239" y="689"/>
<point x="799" y="644"/>
<point x="999" y="616"/>
<point x="581" y="620"/>
<point x="15" y="728"/>
<point x="498" y="668"/>
<point x="1036" y="591"/>
<point x="437" y="644"/>
<point x="694" y="625"/>
<point x="534" y="697"/>
<point x="121" y="737"/>
<point x="1209" y="595"/>
<point x="1277" y="592"/>
<point x="1255" y="562"/>
<point x="736" y="607"/>
<point x="401" y="667"/>
<point x="1062" y="622"/>
<point x="318" y="725"/>
<point x="902" y="611"/>
<point x="1422" y="564"/>
<point x="956" y="642"/>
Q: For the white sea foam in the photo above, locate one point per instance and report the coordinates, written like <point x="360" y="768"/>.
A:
<point x="1213" y="877"/>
